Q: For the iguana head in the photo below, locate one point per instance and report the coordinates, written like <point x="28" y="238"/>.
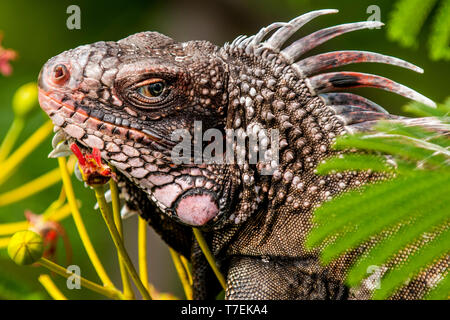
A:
<point x="126" y="98"/>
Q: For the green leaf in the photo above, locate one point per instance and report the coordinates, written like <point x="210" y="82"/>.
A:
<point x="407" y="19"/>
<point x="440" y="34"/>
<point x="378" y="215"/>
<point x="441" y="292"/>
<point x="353" y="162"/>
<point x="391" y="215"/>
<point x="421" y="110"/>
<point x="408" y="233"/>
<point x="416" y="262"/>
<point x="391" y="144"/>
<point x="337" y="214"/>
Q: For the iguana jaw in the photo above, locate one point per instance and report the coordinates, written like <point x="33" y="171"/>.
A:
<point x="195" y="207"/>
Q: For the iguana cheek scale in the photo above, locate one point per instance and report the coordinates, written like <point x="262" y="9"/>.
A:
<point x="255" y="224"/>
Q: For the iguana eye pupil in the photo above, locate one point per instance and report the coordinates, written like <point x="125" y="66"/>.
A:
<point x="152" y="90"/>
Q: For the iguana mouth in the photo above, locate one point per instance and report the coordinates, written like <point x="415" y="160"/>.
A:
<point x="60" y="112"/>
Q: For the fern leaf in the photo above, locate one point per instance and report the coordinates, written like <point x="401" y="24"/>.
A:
<point x="378" y="216"/>
<point x="334" y="216"/>
<point x="442" y="290"/>
<point x="393" y="144"/>
<point x="416" y="262"/>
<point x="353" y="162"/>
<point x="387" y="220"/>
<point x="440" y="35"/>
<point x="407" y="233"/>
<point x="407" y="19"/>
<point x="421" y="110"/>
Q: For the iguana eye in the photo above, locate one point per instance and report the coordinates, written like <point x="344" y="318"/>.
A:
<point x="152" y="90"/>
<point x="148" y="94"/>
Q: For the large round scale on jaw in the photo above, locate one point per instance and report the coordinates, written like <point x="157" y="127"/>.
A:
<point x="197" y="209"/>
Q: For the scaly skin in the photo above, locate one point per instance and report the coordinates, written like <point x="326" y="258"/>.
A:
<point x="255" y="224"/>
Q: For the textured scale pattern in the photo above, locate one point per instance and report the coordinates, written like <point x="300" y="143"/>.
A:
<point x="255" y="224"/>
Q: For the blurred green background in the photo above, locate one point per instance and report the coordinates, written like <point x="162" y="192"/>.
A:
<point x="37" y="31"/>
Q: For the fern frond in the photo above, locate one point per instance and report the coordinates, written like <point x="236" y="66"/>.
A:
<point x="388" y="220"/>
<point x="402" y="146"/>
<point x="418" y="260"/>
<point x="359" y="162"/>
<point x="375" y="215"/>
<point x="421" y="110"/>
<point x="389" y="246"/>
<point x="440" y="34"/>
<point x="407" y="19"/>
<point x="441" y="291"/>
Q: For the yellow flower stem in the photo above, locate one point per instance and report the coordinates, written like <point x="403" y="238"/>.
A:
<point x="59" y="214"/>
<point x="4" y="242"/>
<point x="186" y="267"/>
<point x="24" y="150"/>
<point x="43" y="182"/>
<point x="127" y="289"/>
<point x="80" y="224"/>
<point x="11" y="137"/>
<point x="182" y="274"/>
<point x="209" y="257"/>
<point x="142" y="251"/>
<point x="62" y="194"/>
<point x="109" y="292"/>
<point x="51" y="288"/>
<point x="107" y="216"/>
<point x="13" y="227"/>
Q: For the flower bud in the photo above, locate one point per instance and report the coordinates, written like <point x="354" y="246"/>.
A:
<point x="25" y="99"/>
<point x="25" y="247"/>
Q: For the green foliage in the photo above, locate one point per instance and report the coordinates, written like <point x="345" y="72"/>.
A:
<point x="440" y="37"/>
<point x="408" y="18"/>
<point x="398" y="212"/>
<point x="12" y="289"/>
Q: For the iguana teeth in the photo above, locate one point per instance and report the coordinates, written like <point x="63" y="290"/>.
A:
<point x="61" y="150"/>
<point x="58" y="137"/>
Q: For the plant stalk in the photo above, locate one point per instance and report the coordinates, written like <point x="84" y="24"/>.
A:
<point x="127" y="289"/>
<point x="209" y="257"/>
<point x="80" y="225"/>
<point x="107" y="216"/>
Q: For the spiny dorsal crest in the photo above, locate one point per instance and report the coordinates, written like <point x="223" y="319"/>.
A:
<point x="274" y="86"/>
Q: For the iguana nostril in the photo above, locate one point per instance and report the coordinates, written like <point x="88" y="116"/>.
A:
<point x="60" y="74"/>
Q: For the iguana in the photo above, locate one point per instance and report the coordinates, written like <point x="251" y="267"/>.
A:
<point x="126" y="98"/>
